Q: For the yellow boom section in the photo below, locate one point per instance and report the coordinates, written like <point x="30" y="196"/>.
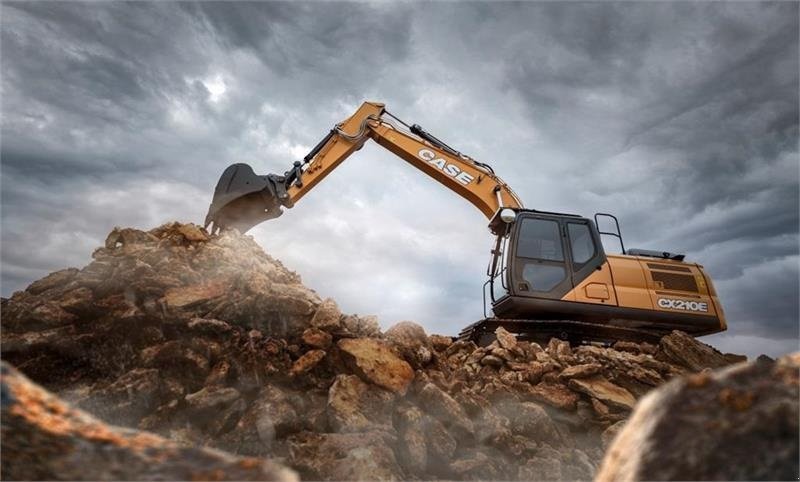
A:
<point x="472" y="181"/>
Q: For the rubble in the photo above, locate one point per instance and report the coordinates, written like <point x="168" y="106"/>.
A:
<point x="749" y="417"/>
<point x="210" y="342"/>
<point x="46" y="439"/>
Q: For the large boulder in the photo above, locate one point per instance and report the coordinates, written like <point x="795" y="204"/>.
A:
<point x="375" y="362"/>
<point x="686" y="351"/>
<point x="736" y="424"/>
<point x="411" y="341"/>
<point x="46" y="439"/>
<point x="357" y="406"/>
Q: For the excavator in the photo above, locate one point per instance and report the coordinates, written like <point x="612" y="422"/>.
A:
<point x="548" y="273"/>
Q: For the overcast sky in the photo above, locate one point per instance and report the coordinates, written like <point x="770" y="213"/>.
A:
<point x="681" y="118"/>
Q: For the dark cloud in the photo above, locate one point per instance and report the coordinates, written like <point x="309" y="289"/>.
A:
<point x="682" y="118"/>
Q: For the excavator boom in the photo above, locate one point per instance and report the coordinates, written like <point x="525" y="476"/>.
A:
<point x="243" y="199"/>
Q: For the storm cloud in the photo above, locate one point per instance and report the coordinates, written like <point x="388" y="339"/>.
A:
<point x="681" y="118"/>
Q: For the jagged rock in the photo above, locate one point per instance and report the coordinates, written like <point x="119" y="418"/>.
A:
<point x="749" y="414"/>
<point x="210" y="400"/>
<point x="55" y="279"/>
<point x="492" y="361"/>
<point x="204" y="326"/>
<point x="193" y="233"/>
<point x="356" y="406"/>
<point x="600" y="388"/>
<point x="412" y="450"/>
<point x="555" y="395"/>
<point x="440" y="343"/>
<point x="444" y="408"/>
<point x="374" y="362"/>
<point x="307" y="362"/>
<point x="532" y="420"/>
<point x="363" y="326"/>
<point x="441" y="444"/>
<point x="505" y="339"/>
<point x="270" y="417"/>
<point x="314" y="337"/>
<point x="45" y="439"/>
<point x="411" y="342"/>
<point x="687" y="351"/>
<point x="347" y="456"/>
<point x="186" y="296"/>
<point x="580" y="371"/>
<point x="327" y="317"/>
<point x="632" y="347"/>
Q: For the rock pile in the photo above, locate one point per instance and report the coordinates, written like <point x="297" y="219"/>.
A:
<point x="208" y="341"/>
<point x="45" y="439"/>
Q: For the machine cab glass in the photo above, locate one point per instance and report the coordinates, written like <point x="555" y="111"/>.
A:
<point x="550" y="254"/>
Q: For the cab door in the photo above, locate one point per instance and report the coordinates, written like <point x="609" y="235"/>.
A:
<point x="591" y="273"/>
<point x="540" y="261"/>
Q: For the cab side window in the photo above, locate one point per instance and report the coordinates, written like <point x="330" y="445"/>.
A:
<point x="540" y="239"/>
<point x="582" y="244"/>
<point x="540" y="254"/>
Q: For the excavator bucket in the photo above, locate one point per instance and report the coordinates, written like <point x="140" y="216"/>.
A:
<point x="243" y="199"/>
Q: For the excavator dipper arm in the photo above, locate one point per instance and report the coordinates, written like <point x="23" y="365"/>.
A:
<point x="243" y="199"/>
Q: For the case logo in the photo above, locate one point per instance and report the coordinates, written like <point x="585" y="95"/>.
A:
<point x="450" y="169"/>
<point x="684" y="305"/>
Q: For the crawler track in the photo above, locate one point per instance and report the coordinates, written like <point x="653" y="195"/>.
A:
<point x="576" y="332"/>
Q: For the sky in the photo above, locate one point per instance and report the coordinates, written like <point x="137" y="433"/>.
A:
<point x="681" y="118"/>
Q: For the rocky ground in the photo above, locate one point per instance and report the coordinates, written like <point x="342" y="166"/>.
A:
<point x="209" y="342"/>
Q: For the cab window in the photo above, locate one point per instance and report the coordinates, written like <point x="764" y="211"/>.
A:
<point x="540" y="254"/>
<point x="540" y="239"/>
<point x="581" y="242"/>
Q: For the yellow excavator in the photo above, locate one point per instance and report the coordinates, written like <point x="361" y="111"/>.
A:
<point x="548" y="273"/>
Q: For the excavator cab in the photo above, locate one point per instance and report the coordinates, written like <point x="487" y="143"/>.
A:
<point x="549" y="275"/>
<point x="543" y="256"/>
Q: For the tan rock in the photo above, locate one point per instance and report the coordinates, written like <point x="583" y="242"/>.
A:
<point x="186" y="296"/>
<point x="441" y="444"/>
<point x="412" y="450"/>
<point x="688" y="351"/>
<point x="555" y="395"/>
<point x="444" y="408"/>
<point x="374" y="362"/>
<point x="317" y="338"/>
<point x="505" y="339"/>
<point x="492" y="361"/>
<point x="193" y="232"/>
<point x="559" y="350"/>
<point x="356" y="406"/>
<point x="327" y="317"/>
<point x="600" y="388"/>
<point x="410" y="340"/>
<point x="440" y="342"/>
<point x="307" y="362"/>
<point x="363" y="326"/>
<point x="580" y="371"/>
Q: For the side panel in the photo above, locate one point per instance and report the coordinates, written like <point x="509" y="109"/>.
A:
<point x="598" y="288"/>
<point x="678" y="287"/>
<point x="629" y="282"/>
